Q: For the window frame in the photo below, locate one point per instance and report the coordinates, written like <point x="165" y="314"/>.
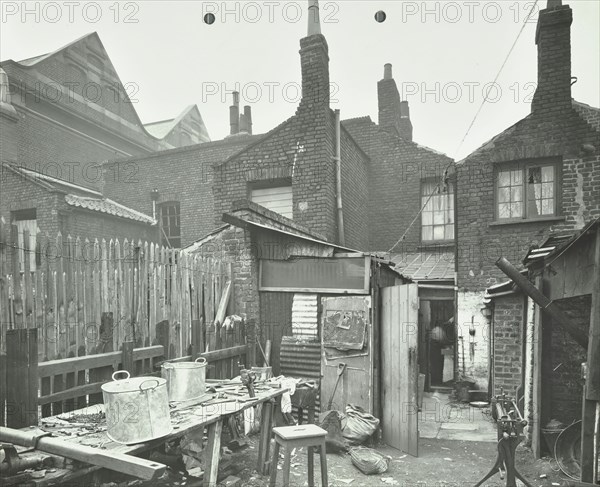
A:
<point x="524" y="166"/>
<point x="163" y="234"/>
<point x="283" y="182"/>
<point x="433" y="241"/>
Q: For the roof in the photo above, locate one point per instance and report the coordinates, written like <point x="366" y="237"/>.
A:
<point x="425" y="266"/>
<point x="161" y="129"/>
<point x="108" y="206"/>
<point x="557" y="244"/>
<point x="590" y="114"/>
<point x="244" y="222"/>
<point x="82" y="197"/>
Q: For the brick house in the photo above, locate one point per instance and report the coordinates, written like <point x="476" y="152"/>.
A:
<point x="292" y="172"/>
<point x="61" y="115"/>
<point x="538" y="177"/>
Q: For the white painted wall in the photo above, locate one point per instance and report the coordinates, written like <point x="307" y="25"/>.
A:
<point x="477" y="347"/>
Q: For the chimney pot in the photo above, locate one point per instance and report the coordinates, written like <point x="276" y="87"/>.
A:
<point x="248" y="115"/>
<point x="387" y="71"/>
<point x="236" y="98"/>
<point x="243" y="124"/>
<point x="554" y="3"/>
<point x="314" y="23"/>
<point x="404" y="110"/>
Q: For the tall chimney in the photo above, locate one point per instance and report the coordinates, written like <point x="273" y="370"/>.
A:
<point x="234" y="114"/>
<point x="553" y="39"/>
<point x="243" y="124"/>
<point x="314" y="60"/>
<point x="394" y="116"/>
<point x="248" y="115"/>
<point x="314" y="21"/>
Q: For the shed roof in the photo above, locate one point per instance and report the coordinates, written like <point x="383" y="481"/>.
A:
<point x="425" y="266"/>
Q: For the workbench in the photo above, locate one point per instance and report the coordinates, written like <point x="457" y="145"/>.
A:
<point x="185" y="418"/>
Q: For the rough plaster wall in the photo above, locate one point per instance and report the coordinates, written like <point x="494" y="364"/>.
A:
<point x="469" y="313"/>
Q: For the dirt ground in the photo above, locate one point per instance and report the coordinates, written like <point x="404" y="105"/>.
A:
<point x="440" y="463"/>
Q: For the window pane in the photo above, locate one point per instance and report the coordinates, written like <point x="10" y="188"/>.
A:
<point x="427" y="218"/>
<point x="516" y="177"/>
<point x="450" y="232"/>
<point x="504" y="178"/>
<point x="504" y="210"/>
<point x="504" y="195"/>
<point x="535" y="175"/>
<point x="547" y="207"/>
<point x="438" y="232"/>
<point x="548" y="173"/>
<point x="427" y="233"/>
<point x="516" y="193"/>
<point x="547" y="190"/>
<point x="438" y="218"/>
<point x="516" y="210"/>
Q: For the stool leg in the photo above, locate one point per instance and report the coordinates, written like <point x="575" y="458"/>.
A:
<point x="311" y="467"/>
<point x="286" y="467"/>
<point x="274" y="464"/>
<point x="324" y="480"/>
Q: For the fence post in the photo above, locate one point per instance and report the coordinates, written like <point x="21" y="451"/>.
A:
<point x="163" y="337"/>
<point x="127" y="357"/>
<point x="21" y="377"/>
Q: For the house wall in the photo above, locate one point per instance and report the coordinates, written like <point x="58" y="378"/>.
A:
<point x="508" y="329"/>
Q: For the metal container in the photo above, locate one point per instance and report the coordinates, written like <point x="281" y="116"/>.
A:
<point x="185" y="380"/>
<point x="137" y="409"/>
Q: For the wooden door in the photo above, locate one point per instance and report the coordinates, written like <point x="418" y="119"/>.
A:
<point x="399" y="367"/>
<point x="346" y="335"/>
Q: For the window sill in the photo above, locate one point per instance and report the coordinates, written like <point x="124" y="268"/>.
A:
<point x="528" y="220"/>
<point x="436" y="244"/>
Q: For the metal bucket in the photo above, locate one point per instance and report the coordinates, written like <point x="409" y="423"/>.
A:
<point x="185" y="380"/>
<point x="137" y="409"/>
<point x="263" y="373"/>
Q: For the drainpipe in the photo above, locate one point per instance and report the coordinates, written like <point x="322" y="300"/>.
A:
<point x="338" y="163"/>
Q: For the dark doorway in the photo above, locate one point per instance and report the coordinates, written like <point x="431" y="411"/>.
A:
<point x="437" y="342"/>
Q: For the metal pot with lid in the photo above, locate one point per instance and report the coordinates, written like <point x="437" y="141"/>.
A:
<point x="137" y="409"/>
<point x="185" y="380"/>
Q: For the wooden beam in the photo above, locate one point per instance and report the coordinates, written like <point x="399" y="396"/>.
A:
<point x="588" y="432"/>
<point x="220" y="317"/>
<point x="593" y="356"/>
<point x="545" y="304"/>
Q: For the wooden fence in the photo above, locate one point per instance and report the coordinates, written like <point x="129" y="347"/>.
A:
<point x="38" y="390"/>
<point x="84" y="297"/>
<point x="76" y="280"/>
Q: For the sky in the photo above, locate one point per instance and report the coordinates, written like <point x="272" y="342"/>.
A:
<point x="445" y="57"/>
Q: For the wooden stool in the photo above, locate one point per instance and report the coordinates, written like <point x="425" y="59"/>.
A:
<point x="290" y="437"/>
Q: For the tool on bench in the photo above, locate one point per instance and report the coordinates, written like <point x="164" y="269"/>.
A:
<point x="13" y="463"/>
<point x="510" y="424"/>
<point x="248" y="378"/>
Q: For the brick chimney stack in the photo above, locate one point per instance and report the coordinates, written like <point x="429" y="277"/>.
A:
<point x="248" y="115"/>
<point x="234" y="114"/>
<point x="394" y="115"/>
<point x="314" y="60"/>
<point x="553" y="39"/>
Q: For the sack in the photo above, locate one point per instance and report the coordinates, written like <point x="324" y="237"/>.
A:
<point x="330" y="422"/>
<point x="369" y="461"/>
<point x="359" y="425"/>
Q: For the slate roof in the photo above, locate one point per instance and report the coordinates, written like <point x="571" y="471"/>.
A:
<point x="422" y="266"/>
<point x="82" y="197"/>
<point x="108" y="206"/>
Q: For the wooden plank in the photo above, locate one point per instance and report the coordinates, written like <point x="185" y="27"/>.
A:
<point x="588" y="431"/>
<point x="27" y="288"/>
<point x="212" y="453"/>
<point x="17" y="302"/>
<point x="127" y="356"/>
<point x="593" y="355"/>
<point x="72" y="393"/>
<point x="3" y="387"/>
<point x="21" y="377"/>
<point x="536" y="439"/>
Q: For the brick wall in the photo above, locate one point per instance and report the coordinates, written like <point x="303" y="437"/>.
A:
<point x="541" y="135"/>
<point x="183" y="175"/>
<point x="508" y="323"/>
<point x="396" y="169"/>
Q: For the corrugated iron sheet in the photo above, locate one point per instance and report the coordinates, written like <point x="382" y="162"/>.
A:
<point x="302" y="359"/>
<point x="304" y="315"/>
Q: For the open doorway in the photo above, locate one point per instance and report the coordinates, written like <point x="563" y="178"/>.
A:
<point x="437" y="343"/>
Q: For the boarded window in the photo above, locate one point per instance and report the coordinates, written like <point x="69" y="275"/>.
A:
<point x="324" y="275"/>
<point x="278" y="199"/>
